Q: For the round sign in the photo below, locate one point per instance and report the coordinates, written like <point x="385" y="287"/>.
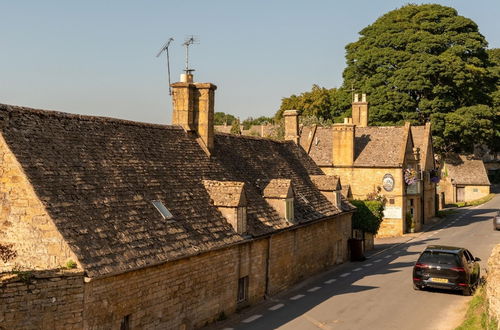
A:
<point x="388" y="182"/>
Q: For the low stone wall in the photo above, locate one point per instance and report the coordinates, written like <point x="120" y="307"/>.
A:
<point x="493" y="283"/>
<point x="41" y="300"/>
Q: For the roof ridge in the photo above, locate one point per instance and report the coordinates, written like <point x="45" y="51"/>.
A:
<point x="250" y="137"/>
<point x="61" y="114"/>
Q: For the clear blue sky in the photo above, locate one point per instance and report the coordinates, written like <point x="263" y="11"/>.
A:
<point x="98" y="57"/>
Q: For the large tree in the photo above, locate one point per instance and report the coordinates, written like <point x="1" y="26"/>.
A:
<point x="419" y="60"/>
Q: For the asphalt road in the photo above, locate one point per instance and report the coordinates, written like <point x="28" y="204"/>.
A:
<point x="378" y="293"/>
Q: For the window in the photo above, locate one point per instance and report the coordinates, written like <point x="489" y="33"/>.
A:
<point x="289" y="209"/>
<point x="242" y="289"/>
<point x="474" y="190"/>
<point x="162" y="209"/>
<point x="125" y="324"/>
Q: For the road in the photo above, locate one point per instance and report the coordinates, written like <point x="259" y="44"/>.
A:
<point x="378" y="293"/>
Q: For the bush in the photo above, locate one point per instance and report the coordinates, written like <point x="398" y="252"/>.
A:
<point x="368" y="216"/>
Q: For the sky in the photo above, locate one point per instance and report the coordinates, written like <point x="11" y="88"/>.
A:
<point x="99" y="57"/>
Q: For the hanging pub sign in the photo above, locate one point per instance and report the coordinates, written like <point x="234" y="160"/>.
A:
<point x="388" y="182"/>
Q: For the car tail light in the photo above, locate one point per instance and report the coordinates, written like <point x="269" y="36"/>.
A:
<point x="458" y="269"/>
<point x="417" y="279"/>
<point x="462" y="284"/>
<point x="420" y="265"/>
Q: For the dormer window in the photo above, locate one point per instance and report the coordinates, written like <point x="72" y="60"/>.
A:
<point x="330" y="187"/>
<point x="279" y="194"/>
<point x="230" y="199"/>
<point x="165" y="213"/>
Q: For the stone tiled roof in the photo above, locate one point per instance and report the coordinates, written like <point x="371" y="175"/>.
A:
<point x="327" y="182"/>
<point x="278" y="188"/>
<point x="97" y="178"/>
<point x="466" y="170"/>
<point x="226" y="193"/>
<point x="375" y="146"/>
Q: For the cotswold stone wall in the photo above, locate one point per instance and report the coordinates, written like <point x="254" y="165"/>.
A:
<point x="298" y="254"/>
<point x="493" y="283"/>
<point x="41" y="300"/>
<point x="24" y="221"/>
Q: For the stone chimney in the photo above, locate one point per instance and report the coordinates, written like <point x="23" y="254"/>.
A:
<point x="360" y="111"/>
<point x="193" y="109"/>
<point x="343" y="143"/>
<point x="292" y="125"/>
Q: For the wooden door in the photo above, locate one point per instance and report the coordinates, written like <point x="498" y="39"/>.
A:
<point x="460" y="194"/>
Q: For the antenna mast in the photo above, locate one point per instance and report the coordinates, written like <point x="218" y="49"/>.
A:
<point x="191" y="40"/>
<point x="165" y="49"/>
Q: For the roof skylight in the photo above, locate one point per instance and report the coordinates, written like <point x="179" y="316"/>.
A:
<point x="162" y="209"/>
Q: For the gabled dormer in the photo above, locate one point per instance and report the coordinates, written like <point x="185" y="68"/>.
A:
<point x="330" y="187"/>
<point x="230" y="199"/>
<point x="279" y="194"/>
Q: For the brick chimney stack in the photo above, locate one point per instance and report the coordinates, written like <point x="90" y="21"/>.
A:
<point x="343" y="143"/>
<point x="193" y="109"/>
<point x="360" y="111"/>
<point x="292" y="125"/>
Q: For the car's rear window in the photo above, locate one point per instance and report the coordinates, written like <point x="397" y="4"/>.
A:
<point x="442" y="258"/>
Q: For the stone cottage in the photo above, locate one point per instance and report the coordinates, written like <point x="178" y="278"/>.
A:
<point x="374" y="160"/>
<point x="464" y="178"/>
<point x="168" y="227"/>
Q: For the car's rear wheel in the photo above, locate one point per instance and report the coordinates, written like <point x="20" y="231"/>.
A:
<point x="417" y="287"/>
<point x="467" y="291"/>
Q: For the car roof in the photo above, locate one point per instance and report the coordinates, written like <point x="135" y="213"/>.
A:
<point x="451" y="249"/>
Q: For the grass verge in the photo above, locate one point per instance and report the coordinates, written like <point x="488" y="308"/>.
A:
<point x="475" y="202"/>
<point x="477" y="317"/>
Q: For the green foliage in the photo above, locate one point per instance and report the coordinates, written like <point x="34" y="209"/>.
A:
<point x="421" y="60"/>
<point x="477" y="313"/>
<point x="70" y="264"/>
<point x="221" y="118"/>
<point x="467" y="126"/>
<point x="235" y="127"/>
<point x="262" y="120"/>
<point x="368" y="216"/>
<point x="320" y="102"/>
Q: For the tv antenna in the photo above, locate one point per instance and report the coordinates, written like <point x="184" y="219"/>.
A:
<point x="165" y="49"/>
<point x="191" y="40"/>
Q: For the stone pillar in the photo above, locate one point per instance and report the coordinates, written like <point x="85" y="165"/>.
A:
<point x="183" y="105"/>
<point x="204" y="113"/>
<point x="194" y="107"/>
<point x="292" y="125"/>
<point x="343" y="144"/>
<point x="360" y="111"/>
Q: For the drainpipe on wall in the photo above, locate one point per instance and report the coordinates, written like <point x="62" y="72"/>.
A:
<point x="268" y="261"/>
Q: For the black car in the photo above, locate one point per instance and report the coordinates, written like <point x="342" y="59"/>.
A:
<point x="446" y="267"/>
<point x="496" y="221"/>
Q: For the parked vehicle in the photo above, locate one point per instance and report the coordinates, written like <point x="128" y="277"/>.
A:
<point x="496" y="221"/>
<point x="446" y="267"/>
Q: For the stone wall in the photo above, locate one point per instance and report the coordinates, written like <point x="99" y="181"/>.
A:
<point x="493" y="283"/>
<point x="183" y="294"/>
<point x="300" y="253"/>
<point x="364" y="181"/>
<point x="41" y="300"/>
<point x="476" y="192"/>
<point x="24" y="222"/>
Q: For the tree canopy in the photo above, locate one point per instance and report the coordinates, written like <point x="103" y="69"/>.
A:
<point x="419" y="63"/>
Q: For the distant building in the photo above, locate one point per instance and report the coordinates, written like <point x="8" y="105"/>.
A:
<point x="374" y="160"/>
<point x="464" y="178"/>
<point x="169" y="227"/>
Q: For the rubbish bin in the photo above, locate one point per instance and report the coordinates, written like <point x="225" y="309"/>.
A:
<point x="356" y="248"/>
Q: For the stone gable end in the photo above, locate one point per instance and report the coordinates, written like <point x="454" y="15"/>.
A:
<point x="24" y="222"/>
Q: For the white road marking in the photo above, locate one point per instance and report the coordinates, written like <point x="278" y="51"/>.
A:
<point x="358" y="269"/>
<point x="388" y="256"/>
<point x="368" y="265"/>
<point x="378" y="260"/>
<point x="330" y="281"/>
<point x="228" y="329"/>
<point x="345" y="274"/>
<point x="275" y="307"/>
<point x="316" y="288"/>
<point x="297" y="297"/>
<point x="251" y="318"/>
